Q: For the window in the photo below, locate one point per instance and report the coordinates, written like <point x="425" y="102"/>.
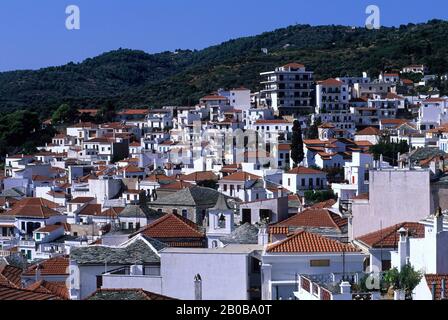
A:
<point x="130" y="225"/>
<point x="37" y="235"/>
<point x="303" y="182"/>
<point x="221" y="222"/>
<point x="184" y="213"/>
<point x="320" y="263"/>
<point x="175" y="211"/>
<point x="225" y="187"/>
<point x="289" y="182"/>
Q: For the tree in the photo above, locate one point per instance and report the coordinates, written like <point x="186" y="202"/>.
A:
<point x="297" y="154"/>
<point x="313" y="132"/>
<point x="64" y="114"/>
<point x="389" y="150"/>
<point x="106" y="113"/>
<point x="406" y="279"/>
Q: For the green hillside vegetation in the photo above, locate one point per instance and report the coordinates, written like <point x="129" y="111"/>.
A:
<point x="130" y="78"/>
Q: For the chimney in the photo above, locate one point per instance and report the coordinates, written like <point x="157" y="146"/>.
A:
<point x="346" y="287"/>
<point x="443" y="291"/>
<point x="438" y="221"/>
<point x="197" y="287"/>
<point x="403" y="247"/>
<point x="136" y="270"/>
<point x="263" y="236"/>
<point x="433" y="290"/>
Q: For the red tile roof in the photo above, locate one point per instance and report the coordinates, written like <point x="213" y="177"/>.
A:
<point x="325" y="204"/>
<point x="58" y="289"/>
<point x="49" y="228"/>
<point x="134" y="112"/>
<point x="10" y="293"/>
<point x="240" y="176"/>
<point x="52" y="266"/>
<point x="91" y="210"/>
<point x="304" y="170"/>
<point x="273" y="121"/>
<point x="199" y="176"/>
<point x="81" y="200"/>
<point x="306" y="242"/>
<point x="388" y="237"/>
<point x="172" y="226"/>
<point x="213" y="97"/>
<point x="330" y="82"/>
<point x="437" y="280"/>
<point x="294" y="65"/>
<point x="34" y="211"/>
<point x="314" y="218"/>
<point x="369" y="131"/>
<point x="37" y="202"/>
<point x="176" y="185"/>
<point x="10" y="276"/>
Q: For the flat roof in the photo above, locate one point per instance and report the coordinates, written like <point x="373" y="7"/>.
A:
<point x="228" y="249"/>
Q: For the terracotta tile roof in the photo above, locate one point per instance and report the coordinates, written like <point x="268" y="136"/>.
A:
<point x="37" y="202"/>
<point x="325" y="204"/>
<point x="314" y="218"/>
<point x="240" y="176"/>
<point x="10" y="293"/>
<point x="81" y="200"/>
<point x="330" y="82"/>
<point x="388" y="237"/>
<point x="91" y="210"/>
<point x="52" y="266"/>
<point x="172" y="226"/>
<point x="364" y="143"/>
<point x="213" y="97"/>
<point x="176" y="185"/>
<point x="159" y="177"/>
<point x="199" y="176"/>
<point x="293" y="65"/>
<point x="132" y="169"/>
<point x="33" y="211"/>
<point x="327" y="125"/>
<point x="306" y="242"/>
<point x="134" y="112"/>
<point x="58" y="289"/>
<point x="393" y="121"/>
<point x="437" y="279"/>
<point x="49" y="228"/>
<point x="369" y="131"/>
<point x="10" y="276"/>
<point x="304" y="170"/>
<point x="273" y="121"/>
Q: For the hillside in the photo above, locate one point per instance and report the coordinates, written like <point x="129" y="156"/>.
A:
<point x="134" y="78"/>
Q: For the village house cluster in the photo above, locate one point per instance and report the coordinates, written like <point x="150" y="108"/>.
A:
<point x="207" y="202"/>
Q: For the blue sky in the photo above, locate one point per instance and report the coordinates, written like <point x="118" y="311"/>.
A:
<point x="33" y="33"/>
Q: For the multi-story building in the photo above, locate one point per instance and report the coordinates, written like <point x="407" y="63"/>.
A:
<point x="288" y="89"/>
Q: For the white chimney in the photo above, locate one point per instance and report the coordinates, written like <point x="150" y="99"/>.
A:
<point x="263" y="236"/>
<point x="346" y="287"/>
<point x="136" y="270"/>
<point x="438" y="221"/>
<point x="403" y="247"/>
<point x="197" y="287"/>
